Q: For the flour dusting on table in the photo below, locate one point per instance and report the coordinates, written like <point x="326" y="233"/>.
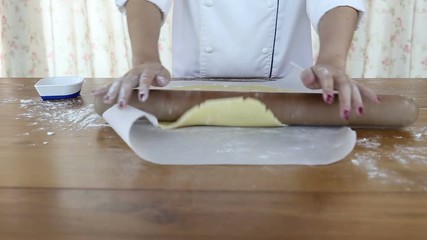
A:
<point x="70" y="114"/>
<point x="379" y="166"/>
<point x="371" y="143"/>
<point x="8" y="100"/>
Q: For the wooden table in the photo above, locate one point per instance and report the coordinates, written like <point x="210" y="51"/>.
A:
<point x="65" y="175"/>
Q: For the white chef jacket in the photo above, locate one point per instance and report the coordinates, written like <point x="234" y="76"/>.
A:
<point x="243" y="38"/>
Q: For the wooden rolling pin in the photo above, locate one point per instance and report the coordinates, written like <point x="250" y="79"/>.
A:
<point x="289" y="108"/>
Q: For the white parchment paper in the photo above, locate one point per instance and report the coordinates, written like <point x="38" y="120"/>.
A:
<point x="231" y="145"/>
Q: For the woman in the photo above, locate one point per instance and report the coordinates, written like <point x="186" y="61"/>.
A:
<point x="243" y="38"/>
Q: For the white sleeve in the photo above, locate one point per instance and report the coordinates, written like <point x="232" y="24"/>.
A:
<point x="121" y="5"/>
<point x="163" y="5"/>
<point x="317" y="8"/>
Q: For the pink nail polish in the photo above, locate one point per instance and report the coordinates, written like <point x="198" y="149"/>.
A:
<point x="143" y="96"/>
<point x="379" y="99"/>
<point x="330" y="98"/>
<point x="347" y="114"/>
<point x="121" y="104"/>
<point x="327" y="98"/>
<point x="361" y="110"/>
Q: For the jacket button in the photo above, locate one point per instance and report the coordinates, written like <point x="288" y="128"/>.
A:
<point x="209" y="50"/>
<point x="208" y="3"/>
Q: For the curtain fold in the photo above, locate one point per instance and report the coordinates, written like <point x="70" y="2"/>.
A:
<point x="392" y="41"/>
<point x="89" y="38"/>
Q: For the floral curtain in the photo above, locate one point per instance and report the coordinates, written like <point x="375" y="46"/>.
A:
<point x="62" y="37"/>
<point x="391" y="41"/>
<point x="89" y="38"/>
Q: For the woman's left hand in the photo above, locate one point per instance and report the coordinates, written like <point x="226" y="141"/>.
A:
<point x="330" y="76"/>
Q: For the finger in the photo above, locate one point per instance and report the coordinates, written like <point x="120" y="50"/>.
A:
<point x="356" y="99"/>
<point x="112" y="92"/>
<point x="309" y="79"/>
<point x="100" y="92"/>
<point x="162" y="79"/>
<point x="326" y="81"/>
<point x="368" y="93"/>
<point x="145" y="81"/>
<point x="126" y="89"/>
<point x="345" y="92"/>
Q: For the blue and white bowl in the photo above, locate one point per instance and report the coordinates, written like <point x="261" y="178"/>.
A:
<point x="52" y="88"/>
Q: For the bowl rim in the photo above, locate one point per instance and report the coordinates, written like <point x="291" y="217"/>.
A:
<point x="39" y="85"/>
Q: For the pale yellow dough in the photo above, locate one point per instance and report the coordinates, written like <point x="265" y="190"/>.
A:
<point x="236" y="112"/>
<point x="232" y="112"/>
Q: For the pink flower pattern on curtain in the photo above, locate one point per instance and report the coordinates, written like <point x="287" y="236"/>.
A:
<point x="89" y="38"/>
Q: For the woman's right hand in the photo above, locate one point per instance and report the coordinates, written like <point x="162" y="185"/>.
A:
<point x="142" y="76"/>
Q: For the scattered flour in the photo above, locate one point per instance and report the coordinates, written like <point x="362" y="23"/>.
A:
<point x="419" y="133"/>
<point x="71" y="114"/>
<point x="371" y="143"/>
<point x="379" y="166"/>
<point x="370" y="162"/>
<point x="8" y="100"/>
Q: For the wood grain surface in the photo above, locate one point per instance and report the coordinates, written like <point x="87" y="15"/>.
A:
<point x="64" y="174"/>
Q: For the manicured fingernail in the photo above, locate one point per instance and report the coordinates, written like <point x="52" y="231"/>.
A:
<point x="121" y="104"/>
<point x="346" y="114"/>
<point x="379" y="99"/>
<point x="330" y="98"/>
<point x="107" y="99"/>
<point x="326" y="98"/>
<point x="361" y="110"/>
<point x="143" y="97"/>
